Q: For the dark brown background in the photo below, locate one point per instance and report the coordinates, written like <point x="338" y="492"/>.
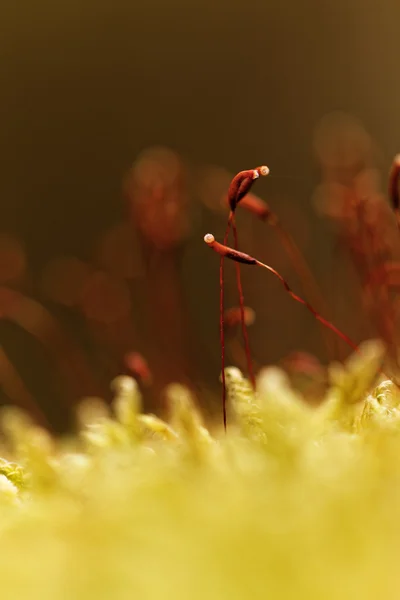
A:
<point x="85" y="85"/>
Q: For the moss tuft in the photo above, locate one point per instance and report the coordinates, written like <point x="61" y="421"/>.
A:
<point x="293" y="502"/>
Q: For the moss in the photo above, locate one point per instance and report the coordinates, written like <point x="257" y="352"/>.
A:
<point x="293" y="502"/>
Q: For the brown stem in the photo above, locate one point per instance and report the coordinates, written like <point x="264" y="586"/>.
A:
<point x="241" y="257"/>
<point x="241" y="305"/>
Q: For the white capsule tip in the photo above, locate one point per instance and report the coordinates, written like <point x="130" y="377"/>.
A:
<point x="263" y="170"/>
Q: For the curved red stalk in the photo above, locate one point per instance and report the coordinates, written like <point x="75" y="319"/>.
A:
<point x="316" y="314"/>
<point x="261" y="209"/>
<point x="224" y="250"/>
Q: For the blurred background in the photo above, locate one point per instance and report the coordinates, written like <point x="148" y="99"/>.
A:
<point x="122" y="124"/>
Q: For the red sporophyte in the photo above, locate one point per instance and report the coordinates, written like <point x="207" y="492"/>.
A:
<point x="239" y="187"/>
<point x="242" y="183"/>
<point x="262" y="211"/>
<point x="241" y="257"/>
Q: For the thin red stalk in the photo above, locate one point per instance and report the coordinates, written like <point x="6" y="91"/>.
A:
<point x="221" y="320"/>
<point x="231" y="223"/>
<point x="239" y="187"/>
<point x="319" y="318"/>
<point x="310" y="287"/>
<point x="241" y="304"/>
<point x="222" y="335"/>
<point x="242" y="257"/>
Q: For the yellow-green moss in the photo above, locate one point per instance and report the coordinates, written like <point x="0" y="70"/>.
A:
<point x="292" y="502"/>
